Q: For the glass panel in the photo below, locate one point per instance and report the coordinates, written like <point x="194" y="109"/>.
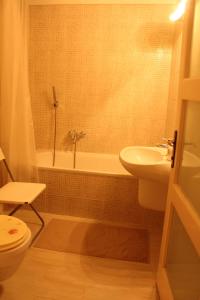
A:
<point x="183" y="264"/>
<point x="189" y="173"/>
<point x="195" y="50"/>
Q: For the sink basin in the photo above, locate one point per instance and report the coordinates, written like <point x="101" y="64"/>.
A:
<point x="146" y="162"/>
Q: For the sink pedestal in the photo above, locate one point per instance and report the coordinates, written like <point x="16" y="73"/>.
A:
<point x="152" y="194"/>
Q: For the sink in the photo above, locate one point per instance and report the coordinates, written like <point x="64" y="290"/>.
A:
<point x="146" y="162"/>
<point x="151" y="167"/>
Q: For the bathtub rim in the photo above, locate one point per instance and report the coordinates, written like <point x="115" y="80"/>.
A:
<point x="87" y="173"/>
<point x="83" y="171"/>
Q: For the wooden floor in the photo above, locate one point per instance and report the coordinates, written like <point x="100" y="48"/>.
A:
<point x="51" y="275"/>
<point x="46" y="275"/>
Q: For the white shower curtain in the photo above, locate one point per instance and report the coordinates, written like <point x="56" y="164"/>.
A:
<point x="16" y="125"/>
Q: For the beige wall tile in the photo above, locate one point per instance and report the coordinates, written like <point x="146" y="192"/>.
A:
<point x="172" y="121"/>
<point x="111" y="68"/>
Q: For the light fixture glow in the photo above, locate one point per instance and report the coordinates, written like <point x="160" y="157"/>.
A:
<point x="179" y="12"/>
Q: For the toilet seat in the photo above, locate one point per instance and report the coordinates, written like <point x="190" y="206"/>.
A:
<point x="13" y="232"/>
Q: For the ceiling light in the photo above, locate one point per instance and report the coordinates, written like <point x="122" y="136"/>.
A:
<point x="179" y="11"/>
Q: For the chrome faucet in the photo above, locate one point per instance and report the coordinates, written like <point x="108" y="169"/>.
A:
<point x="168" y="145"/>
<point x="75" y="136"/>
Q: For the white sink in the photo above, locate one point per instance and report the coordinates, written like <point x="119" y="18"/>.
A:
<point x="146" y="162"/>
<point x="152" y="168"/>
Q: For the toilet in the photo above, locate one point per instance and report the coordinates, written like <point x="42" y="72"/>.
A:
<point x="15" y="238"/>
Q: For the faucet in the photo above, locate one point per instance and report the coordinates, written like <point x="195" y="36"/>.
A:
<point x="168" y="145"/>
<point x="75" y="135"/>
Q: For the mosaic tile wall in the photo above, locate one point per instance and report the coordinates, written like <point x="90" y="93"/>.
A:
<point x="103" y="198"/>
<point x="110" y="65"/>
<point x="172" y="120"/>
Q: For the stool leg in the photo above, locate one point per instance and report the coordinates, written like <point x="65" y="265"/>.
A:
<point x="15" y="209"/>
<point x="41" y="220"/>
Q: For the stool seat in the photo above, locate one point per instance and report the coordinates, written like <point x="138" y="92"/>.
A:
<point x="20" y="192"/>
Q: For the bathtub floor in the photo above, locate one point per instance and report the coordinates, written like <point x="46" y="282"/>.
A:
<point x="51" y="275"/>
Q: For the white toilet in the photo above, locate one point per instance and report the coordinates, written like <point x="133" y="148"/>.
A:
<point x="15" y="238"/>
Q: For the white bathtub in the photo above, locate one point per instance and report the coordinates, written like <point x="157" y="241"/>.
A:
<point x="95" y="163"/>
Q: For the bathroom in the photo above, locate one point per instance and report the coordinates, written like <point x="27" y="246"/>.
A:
<point x="88" y="80"/>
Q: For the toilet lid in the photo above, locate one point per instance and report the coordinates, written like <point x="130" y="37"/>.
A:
<point x="12" y="232"/>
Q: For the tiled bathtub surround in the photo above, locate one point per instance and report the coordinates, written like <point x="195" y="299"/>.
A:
<point x="104" y="198"/>
<point x="110" y="65"/>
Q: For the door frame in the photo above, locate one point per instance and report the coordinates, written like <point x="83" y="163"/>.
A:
<point x="177" y="200"/>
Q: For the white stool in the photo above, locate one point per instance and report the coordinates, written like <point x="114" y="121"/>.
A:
<point x="20" y="193"/>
